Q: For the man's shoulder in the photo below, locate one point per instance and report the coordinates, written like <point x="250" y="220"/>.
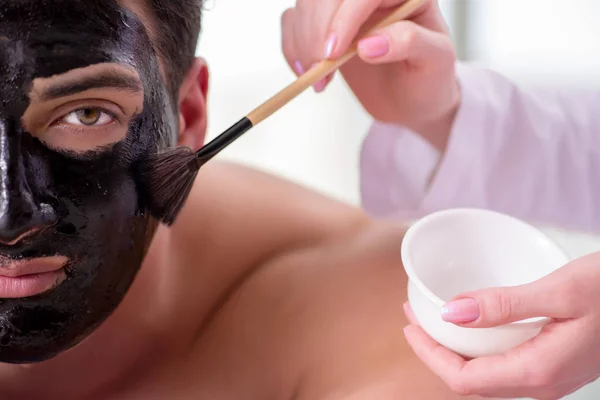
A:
<point x="333" y="313"/>
<point x="316" y="308"/>
<point x="327" y="321"/>
<point x="253" y="211"/>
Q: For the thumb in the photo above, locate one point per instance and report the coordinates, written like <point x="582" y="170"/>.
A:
<point x="503" y="305"/>
<point x="407" y="41"/>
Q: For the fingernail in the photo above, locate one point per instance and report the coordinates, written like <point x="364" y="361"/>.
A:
<point x="320" y="85"/>
<point x="375" y="46"/>
<point x="298" y="68"/>
<point x="461" y="311"/>
<point x="330" y="45"/>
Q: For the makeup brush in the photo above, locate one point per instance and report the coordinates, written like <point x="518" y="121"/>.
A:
<point x="168" y="177"/>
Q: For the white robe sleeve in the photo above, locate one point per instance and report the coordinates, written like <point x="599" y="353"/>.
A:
<point x="528" y="152"/>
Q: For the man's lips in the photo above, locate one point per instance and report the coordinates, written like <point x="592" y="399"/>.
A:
<point x="19" y="279"/>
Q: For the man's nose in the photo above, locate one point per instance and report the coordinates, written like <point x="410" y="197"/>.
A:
<point x="21" y="212"/>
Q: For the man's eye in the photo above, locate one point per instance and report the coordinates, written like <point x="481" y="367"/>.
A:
<point x="89" y="117"/>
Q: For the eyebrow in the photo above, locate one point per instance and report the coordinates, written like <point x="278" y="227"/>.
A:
<point x="102" y="81"/>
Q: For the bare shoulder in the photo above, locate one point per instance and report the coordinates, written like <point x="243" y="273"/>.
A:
<point x="255" y="212"/>
<point x="332" y="316"/>
<point x="316" y="311"/>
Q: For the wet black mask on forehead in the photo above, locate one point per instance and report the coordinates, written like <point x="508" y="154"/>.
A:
<point x="87" y="205"/>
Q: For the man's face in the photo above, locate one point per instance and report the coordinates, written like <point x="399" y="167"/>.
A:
<point x="82" y="102"/>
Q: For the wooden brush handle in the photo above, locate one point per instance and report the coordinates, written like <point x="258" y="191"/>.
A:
<point x="325" y="67"/>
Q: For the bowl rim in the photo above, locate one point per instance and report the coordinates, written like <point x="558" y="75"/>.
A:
<point x="415" y="227"/>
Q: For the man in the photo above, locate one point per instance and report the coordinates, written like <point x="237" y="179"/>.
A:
<point x="261" y="290"/>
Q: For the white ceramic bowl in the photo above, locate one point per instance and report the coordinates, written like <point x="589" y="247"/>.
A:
<point x="459" y="250"/>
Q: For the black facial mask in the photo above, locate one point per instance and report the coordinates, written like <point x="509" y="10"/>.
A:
<point x="86" y="206"/>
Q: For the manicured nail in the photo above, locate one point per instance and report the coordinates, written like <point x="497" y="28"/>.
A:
<point x="330" y="45"/>
<point x="298" y="68"/>
<point x="320" y="85"/>
<point x="375" y="46"/>
<point x="461" y="311"/>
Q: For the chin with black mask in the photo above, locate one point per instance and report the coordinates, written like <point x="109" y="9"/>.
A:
<point x="73" y="228"/>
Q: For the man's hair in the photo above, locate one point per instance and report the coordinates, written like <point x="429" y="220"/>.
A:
<point x="178" y="24"/>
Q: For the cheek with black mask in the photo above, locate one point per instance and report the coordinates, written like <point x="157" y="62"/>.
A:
<point x="84" y="207"/>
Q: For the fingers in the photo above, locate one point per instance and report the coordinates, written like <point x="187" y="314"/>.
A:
<point x="499" y="306"/>
<point x="494" y="376"/>
<point x="316" y="29"/>
<point x="348" y="19"/>
<point x="407" y="41"/>
<point x="529" y="370"/>
<point x="567" y="293"/>
<point x="288" y="41"/>
<point x="301" y="28"/>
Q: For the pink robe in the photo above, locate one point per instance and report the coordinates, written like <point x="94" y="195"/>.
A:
<point x="528" y="152"/>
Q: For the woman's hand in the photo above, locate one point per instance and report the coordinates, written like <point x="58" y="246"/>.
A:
<point x="564" y="357"/>
<point x="404" y="74"/>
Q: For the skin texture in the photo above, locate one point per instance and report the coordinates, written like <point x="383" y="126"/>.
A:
<point x="72" y="198"/>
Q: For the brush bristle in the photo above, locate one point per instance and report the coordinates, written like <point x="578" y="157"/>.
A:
<point x="168" y="179"/>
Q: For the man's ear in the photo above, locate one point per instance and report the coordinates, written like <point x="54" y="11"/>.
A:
<point x="192" y="106"/>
